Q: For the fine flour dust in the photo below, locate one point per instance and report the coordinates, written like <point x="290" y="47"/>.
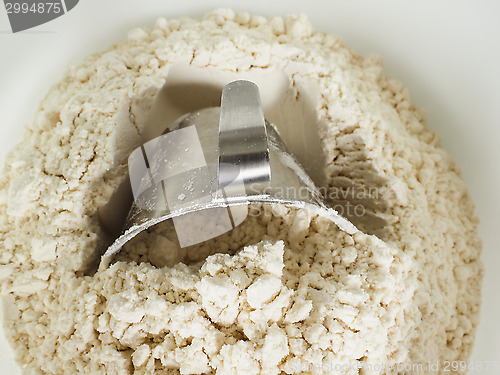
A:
<point x="284" y="293"/>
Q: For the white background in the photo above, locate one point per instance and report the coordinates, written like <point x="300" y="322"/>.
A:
<point x="446" y="52"/>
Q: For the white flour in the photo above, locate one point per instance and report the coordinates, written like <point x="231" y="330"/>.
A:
<point x="284" y="292"/>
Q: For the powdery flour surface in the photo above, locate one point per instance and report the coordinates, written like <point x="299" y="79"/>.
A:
<point x="284" y="293"/>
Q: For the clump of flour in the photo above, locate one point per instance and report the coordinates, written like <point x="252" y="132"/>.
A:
<point x="286" y="292"/>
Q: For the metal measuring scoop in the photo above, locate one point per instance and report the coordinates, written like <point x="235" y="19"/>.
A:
<point x="208" y="166"/>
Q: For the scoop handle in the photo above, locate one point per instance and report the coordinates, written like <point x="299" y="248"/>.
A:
<point x="243" y="142"/>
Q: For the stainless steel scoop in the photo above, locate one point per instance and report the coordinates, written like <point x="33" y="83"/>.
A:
<point x="208" y="166"/>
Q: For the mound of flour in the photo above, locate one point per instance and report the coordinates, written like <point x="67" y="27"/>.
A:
<point x="286" y="292"/>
